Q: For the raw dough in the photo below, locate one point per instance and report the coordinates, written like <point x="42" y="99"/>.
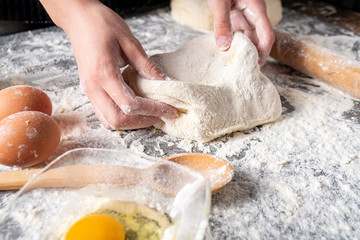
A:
<point x="217" y="92"/>
<point x="197" y="14"/>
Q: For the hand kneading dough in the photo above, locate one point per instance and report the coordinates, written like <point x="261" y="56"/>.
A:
<point x="197" y="14"/>
<point x="217" y="92"/>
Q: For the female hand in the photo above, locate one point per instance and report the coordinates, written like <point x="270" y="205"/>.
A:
<point x="103" y="43"/>
<point x="247" y="16"/>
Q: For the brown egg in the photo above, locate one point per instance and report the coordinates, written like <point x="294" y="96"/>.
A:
<point x="23" y="98"/>
<point x="27" y="138"/>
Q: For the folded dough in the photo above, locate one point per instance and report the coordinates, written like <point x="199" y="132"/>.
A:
<point x="216" y="92"/>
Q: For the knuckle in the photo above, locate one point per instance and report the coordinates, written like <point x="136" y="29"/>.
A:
<point x="131" y="107"/>
<point x="106" y="72"/>
<point x="118" y="121"/>
<point x="98" y="73"/>
<point x="222" y="25"/>
<point x="151" y="67"/>
<point x="136" y="42"/>
<point x="130" y="42"/>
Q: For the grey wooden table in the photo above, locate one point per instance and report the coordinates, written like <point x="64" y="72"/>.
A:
<point x="296" y="178"/>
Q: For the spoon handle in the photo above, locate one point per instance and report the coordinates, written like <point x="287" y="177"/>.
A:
<point x="13" y="180"/>
<point x="70" y="176"/>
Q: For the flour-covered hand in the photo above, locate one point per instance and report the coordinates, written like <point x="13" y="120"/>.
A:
<point x="103" y="43"/>
<point x="247" y="16"/>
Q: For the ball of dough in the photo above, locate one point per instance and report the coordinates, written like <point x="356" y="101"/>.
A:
<point x="274" y="11"/>
<point x="217" y="92"/>
<point x="197" y="13"/>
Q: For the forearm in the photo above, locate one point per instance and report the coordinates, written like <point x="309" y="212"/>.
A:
<point x="65" y="12"/>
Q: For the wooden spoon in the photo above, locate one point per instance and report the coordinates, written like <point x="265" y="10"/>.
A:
<point x="216" y="170"/>
<point x="77" y="176"/>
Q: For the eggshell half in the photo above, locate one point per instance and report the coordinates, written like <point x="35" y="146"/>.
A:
<point x="23" y="98"/>
<point x="27" y="138"/>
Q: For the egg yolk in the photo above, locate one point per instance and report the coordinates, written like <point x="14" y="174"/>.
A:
<point x="96" y="227"/>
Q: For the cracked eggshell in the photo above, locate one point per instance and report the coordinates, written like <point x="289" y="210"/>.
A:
<point x="23" y="98"/>
<point x="27" y="138"/>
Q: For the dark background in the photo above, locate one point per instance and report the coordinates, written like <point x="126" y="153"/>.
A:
<point x="23" y="15"/>
<point x="31" y="10"/>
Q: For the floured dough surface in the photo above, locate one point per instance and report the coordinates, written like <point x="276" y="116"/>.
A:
<point x="216" y="92"/>
<point x="197" y="13"/>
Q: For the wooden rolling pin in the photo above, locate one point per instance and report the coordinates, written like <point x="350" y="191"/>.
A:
<point x="317" y="62"/>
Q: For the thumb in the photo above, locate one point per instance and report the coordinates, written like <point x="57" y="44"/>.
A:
<point x="222" y="23"/>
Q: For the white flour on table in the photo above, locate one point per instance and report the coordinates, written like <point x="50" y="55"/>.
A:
<point x="293" y="179"/>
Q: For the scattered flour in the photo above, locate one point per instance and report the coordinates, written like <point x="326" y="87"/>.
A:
<point x="343" y="45"/>
<point x="293" y="179"/>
